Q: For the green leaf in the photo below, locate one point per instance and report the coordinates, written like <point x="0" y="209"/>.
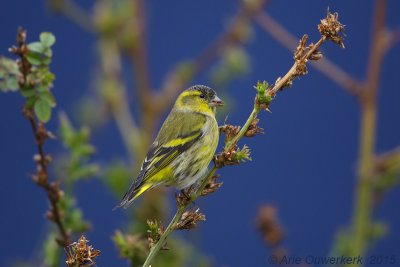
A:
<point x="36" y="47"/>
<point x="46" y="60"/>
<point x="48" y="52"/>
<point x="3" y="86"/>
<point x="34" y="58"/>
<point x="9" y="66"/>
<point x="42" y="110"/>
<point x="42" y="88"/>
<point x="47" y="78"/>
<point x="47" y="39"/>
<point x="28" y="91"/>
<point x="49" y="98"/>
<point x="11" y="83"/>
<point x="31" y="101"/>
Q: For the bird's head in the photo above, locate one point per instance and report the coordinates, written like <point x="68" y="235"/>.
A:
<point x="199" y="98"/>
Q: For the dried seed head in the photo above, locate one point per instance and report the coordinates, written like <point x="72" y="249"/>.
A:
<point x="184" y="197"/>
<point x="254" y="129"/>
<point x="80" y="254"/>
<point x="301" y="48"/>
<point x="212" y="186"/>
<point x="229" y="131"/>
<point x="189" y="219"/>
<point x="330" y="27"/>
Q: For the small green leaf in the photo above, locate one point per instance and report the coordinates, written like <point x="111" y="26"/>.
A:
<point x="36" y="47"/>
<point x="49" y="98"/>
<point x="34" y="58"/>
<point x="28" y="91"/>
<point x="11" y="83"/>
<point x="9" y="66"/>
<point x="47" y="78"/>
<point x="42" y="110"/>
<point x="47" y="39"/>
<point x="31" y="101"/>
<point x="46" y="60"/>
<point x="48" y="52"/>
<point x="3" y="86"/>
<point x="42" y="88"/>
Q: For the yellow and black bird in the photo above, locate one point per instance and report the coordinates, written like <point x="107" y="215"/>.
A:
<point x="184" y="146"/>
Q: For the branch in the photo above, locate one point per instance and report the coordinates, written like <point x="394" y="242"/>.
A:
<point x="329" y="29"/>
<point x="116" y="95"/>
<point x="74" y="13"/>
<point x="325" y="66"/>
<point x="42" y="178"/>
<point x="364" y="191"/>
<point x="41" y="134"/>
<point x="139" y="55"/>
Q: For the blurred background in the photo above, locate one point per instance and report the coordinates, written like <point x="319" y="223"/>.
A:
<point x="119" y="66"/>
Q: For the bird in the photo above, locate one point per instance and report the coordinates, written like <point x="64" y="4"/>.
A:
<point x="184" y="146"/>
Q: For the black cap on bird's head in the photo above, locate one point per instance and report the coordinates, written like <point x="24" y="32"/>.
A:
<point x="208" y="94"/>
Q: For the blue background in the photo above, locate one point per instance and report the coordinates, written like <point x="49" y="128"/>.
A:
<point x="305" y="163"/>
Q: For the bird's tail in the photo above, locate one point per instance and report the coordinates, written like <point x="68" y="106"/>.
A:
<point x="132" y="194"/>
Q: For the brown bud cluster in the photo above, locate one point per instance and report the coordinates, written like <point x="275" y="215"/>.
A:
<point x="226" y="157"/>
<point x="268" y="225"/>
<point x="254" y="129"/>
<point x="80" y="254"/>
<point x="230" y="131"/>
<point x="211" y="186"/>
<point x="184" y="197"/>
<point x="189" y="219"/>
<point x="330" y="27"/>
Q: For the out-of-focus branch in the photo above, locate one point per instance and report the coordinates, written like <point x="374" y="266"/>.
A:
<point x="364" y="197"/>
<point x="115" y="94"/>
<point x="325" y="66"/>
<point x="139" y="55"/>
<point x="235" y="33"/>
<point x="74" y="13"/>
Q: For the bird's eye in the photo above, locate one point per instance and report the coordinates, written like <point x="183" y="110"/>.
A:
<point x="202" y="96"/>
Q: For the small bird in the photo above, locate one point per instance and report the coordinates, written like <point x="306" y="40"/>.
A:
<point x="184" y="146"/>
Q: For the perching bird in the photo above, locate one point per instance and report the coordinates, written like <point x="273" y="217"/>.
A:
<point x="184" y="146"/>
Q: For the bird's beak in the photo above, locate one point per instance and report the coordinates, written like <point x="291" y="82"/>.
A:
<point x="216" y="101"/>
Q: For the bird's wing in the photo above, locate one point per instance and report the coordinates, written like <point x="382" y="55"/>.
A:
<point x="172" y="140"/>
<point x="178" y="133"/>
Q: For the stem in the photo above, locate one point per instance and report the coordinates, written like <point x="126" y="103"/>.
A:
<point x="363" y="203"/>
<point x="243" y="130"/>
<point x="175" y="219"/>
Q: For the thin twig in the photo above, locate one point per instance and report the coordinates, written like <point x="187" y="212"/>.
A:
<point x="40" y="133"/>
<point x="73" y="12"/>
<point x="42" y="179"/>
<point x="325" y="66"/>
